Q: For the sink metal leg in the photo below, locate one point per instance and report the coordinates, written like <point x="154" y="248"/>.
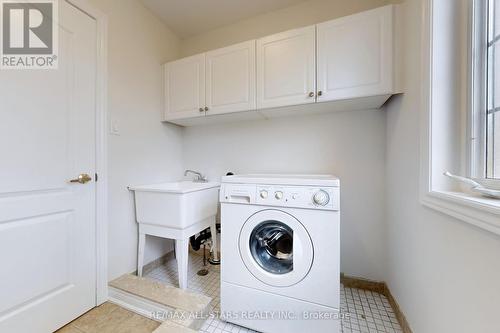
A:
<point x="182" y="253"/>
<point x="213" y="231"/>
<point x="140" y="253"/>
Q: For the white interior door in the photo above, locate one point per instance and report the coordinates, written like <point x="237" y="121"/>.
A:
<point x="185" y="88"/>
<point x="286" y="68"/>
<point x="231" y="78"/>
<point x="355" y="55"/>
<point x="47" y="224"/>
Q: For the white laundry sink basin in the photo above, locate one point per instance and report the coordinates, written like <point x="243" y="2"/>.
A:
<point x="176" y="204"/>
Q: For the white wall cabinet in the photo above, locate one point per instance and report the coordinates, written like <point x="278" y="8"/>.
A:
<point x="230" y="78"/>
<point x="185" y="88"/>
<point x="351" y="63"/>
<point x="286" y="68"/>
<point x="216" y="82"/>
<point x="355" y="55"/>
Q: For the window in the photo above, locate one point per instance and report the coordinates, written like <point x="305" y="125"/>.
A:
<point x="486" y="90"/>
<point x="460" y="120"/>
<point x="493" y="91"/>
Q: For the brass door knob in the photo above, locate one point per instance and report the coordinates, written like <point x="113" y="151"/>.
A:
<point x="320" y="93"/>
<point x="82" y="179"/>
<point x="311" y="94"/>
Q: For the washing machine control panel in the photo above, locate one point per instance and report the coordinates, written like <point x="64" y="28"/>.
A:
<point x="298" y="196"/>
<point x="323" y="198"/>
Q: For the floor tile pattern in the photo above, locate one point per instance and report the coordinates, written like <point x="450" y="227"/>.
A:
<point x="366" y="311"/>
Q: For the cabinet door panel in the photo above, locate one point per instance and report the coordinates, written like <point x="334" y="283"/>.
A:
<point x="286" y="68"/>
<point x="355" y="55"/>
<point x="185" y="87"/>
<point x="231" y="78"/>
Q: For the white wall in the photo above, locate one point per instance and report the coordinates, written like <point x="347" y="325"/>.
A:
<point x="146" y="150"/>
<point x="299" y="15"/>
<point x="350" y="145"/>
<point x="444" y="273"/>
<point x="139" y="43"/>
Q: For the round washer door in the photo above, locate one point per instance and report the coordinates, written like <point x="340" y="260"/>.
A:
<point x="276" y="248"/>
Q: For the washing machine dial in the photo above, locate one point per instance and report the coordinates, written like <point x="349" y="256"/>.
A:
<point x="321" y="198"/>
<point x="278" y="195"/>
<point x="263" y="194"/>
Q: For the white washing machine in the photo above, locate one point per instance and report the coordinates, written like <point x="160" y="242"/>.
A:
<point x="280" y="252"/>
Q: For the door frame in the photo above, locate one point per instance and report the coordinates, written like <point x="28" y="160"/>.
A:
<point x="101" y="250"/>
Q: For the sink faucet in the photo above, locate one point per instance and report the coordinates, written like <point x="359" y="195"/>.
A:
<point x="199" y="177"/>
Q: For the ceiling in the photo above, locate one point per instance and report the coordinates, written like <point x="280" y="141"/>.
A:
<point x="188" y="18"/>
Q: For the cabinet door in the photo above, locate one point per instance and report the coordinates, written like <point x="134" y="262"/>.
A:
<point x="231" y="78"/>
<point x="355" y="55"/>
<point x="185" y="88"/>
<point x="286" y="68"/>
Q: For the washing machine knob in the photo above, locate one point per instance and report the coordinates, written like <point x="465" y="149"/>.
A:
<point x="321" y="198"/>
<point x="263" y="194"/>
<point x="278" y="195"/>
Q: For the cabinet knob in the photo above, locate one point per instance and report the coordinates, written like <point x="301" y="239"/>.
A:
<point x="320" y="93"/>
<point x="311" y="94"/>
<point x="202" y="110"/>
<point x="206" y="108"/>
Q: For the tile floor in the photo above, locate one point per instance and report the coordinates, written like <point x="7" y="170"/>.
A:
<point x="368" y="312"/>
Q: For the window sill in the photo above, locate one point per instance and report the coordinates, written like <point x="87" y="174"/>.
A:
<point x="479" y="211"/>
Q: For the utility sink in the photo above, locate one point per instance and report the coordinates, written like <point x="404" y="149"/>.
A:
<point x="176" y="210"/>
<point x="177" y="204"/>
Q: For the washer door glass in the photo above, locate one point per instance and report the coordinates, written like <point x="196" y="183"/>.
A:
<point x="271" y="245"/>
<point x="276" y="248"/>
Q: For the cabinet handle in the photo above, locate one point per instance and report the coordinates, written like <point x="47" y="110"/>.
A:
<point x="320" y="93"/>
<point x="202" y="110"/>
<point x="311" y="94"/>
<point x="206" y="108"/>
